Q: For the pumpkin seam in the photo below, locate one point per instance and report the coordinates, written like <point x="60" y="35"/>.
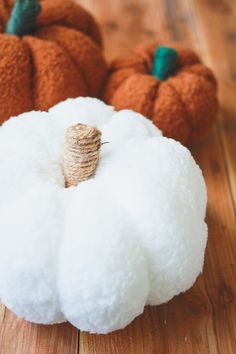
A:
<point x="67" y="53"/>
<point x="155" y="90"/>
<point x="198" y="75"/>
<point x="33" y="73"/>
<point x="186" y="116"/>
<point x="121" y="83"/>
<point x="114" y="71"/>
<point x="86" y="32"/>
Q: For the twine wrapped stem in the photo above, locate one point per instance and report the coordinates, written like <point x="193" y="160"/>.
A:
<point x="81" y="156"/>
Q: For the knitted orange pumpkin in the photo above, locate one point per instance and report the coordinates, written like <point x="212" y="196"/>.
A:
<point x="170" y="86"/>
<point x="50" y="50"/>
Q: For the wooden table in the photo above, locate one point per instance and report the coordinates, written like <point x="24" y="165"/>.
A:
<point x="203" y="320"/>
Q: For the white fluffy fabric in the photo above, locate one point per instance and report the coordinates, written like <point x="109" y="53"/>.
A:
<point x="96" y="254"/>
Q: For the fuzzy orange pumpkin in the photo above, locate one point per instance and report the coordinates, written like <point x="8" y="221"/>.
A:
<point x="170" y="86"/>
<point x="50" y="50"/>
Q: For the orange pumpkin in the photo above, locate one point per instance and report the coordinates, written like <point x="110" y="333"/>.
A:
<point x="182" y="103"/>
<point x="50" y="50"/>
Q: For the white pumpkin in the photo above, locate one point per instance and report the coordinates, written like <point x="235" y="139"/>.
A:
<point x="96" y="254"/>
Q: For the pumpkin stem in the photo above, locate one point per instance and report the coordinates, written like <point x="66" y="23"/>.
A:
<point x="81" y="156"/>
<point x="23" y="17"/>
<point x="164" y="62"/>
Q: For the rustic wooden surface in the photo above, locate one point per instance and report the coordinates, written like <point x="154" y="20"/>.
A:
<point x="203" y="320"/>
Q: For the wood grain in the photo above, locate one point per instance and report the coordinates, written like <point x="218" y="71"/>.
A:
<point x="202" y="320"/>
<point x="2" y="313"/>
<point x="20" y="337"/>
<point x="218" y="44"/>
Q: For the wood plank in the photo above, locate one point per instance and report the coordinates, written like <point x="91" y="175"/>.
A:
<point x="20" y="337"/>
<point x="202" y="320"/>
<point x="218" y="47"/>
<point x="2" y="313"/>
<point x="219" y="273"/>
<point x="126" y="23"/>
<point x="227" y="94"/>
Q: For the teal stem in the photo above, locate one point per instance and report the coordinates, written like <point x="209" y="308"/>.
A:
<point x="23" y="17"/>
<point x="164" y="62"/>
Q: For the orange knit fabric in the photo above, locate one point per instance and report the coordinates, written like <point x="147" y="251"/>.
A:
<point x="62" y="59"/>
<point x="184" y="106"/>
